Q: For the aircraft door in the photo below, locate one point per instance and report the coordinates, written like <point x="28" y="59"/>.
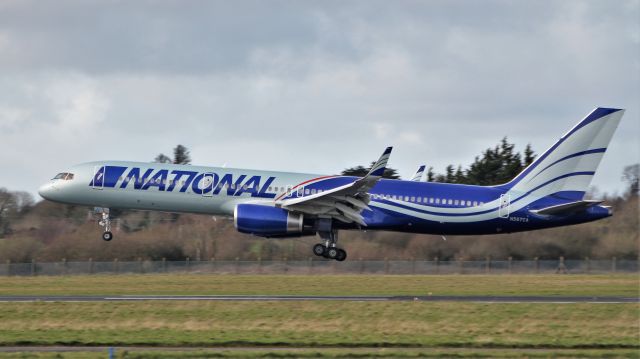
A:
<point x="207" y="185"/>
<point x="98" y="177"/>
<point x="505" y="202"/>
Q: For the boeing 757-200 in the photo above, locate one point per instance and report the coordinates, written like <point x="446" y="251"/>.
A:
<point x="548" y="193"/>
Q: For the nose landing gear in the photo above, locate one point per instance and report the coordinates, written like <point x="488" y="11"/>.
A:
<point x="105" y="222"/>
<point x="329" y="248"/>
<point x="107" y="236"/>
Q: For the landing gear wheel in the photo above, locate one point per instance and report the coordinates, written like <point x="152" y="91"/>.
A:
<point x="319" y="249"/>
<point x="342" y="255"/>
<point x="332" y="253"/>
<point x="107" y="236"/>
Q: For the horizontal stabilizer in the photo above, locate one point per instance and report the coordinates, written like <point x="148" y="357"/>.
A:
<point x="566" y="208"/>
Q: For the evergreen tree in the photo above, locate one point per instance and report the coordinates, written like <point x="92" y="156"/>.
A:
<point x="631" y="175"/>
<point x="431" y="176"/>
<point x="459" y="177"/>
<point x="181" y="155"/>
<point x="449" y="176"/>
<point x="162" y="158"/>
<point x="529" y="155"/>
<point x="497" y="165"/>
<point x="358" y="171"/>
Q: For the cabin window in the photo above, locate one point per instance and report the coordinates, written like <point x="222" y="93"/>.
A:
<point x="468" y="203"/>
<point x="419" y="199"/>
<point x="456" y="202"/>
<point x="430" y="200"/>
<point x="313" y="191"/>
<point x="413" y="199"/>
<point x="437" y="200"/>
<point x="475" y="203"/>
<point x="306" y="191"/>
<point x="450" y="201"/>
<point x="406" y="198"/>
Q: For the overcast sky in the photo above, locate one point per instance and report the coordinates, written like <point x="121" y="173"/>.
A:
<point x="309" y="86"/>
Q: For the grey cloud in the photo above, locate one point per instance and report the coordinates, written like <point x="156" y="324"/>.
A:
<point x="307" y="86"/>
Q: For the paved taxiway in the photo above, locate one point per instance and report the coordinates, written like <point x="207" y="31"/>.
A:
<point x="430" y="298"/>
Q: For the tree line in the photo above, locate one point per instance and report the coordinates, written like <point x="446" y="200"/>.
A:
<point x="496" y="165"/>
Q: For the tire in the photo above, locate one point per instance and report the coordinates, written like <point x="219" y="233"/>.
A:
<point x="332" y="253"/>
<point x="319" y="250"/>
<point x="107" y="236"/>
<point x="342" y="255"/>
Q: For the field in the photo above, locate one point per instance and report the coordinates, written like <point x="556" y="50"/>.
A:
<point x="197" y="284"/>
<point x="348" y="329"/>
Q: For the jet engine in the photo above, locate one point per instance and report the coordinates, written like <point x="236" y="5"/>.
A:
<point x="266" y="221"/>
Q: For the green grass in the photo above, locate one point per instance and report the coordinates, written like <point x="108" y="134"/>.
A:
<point x="174" y="284"/>
<point x="334" y="353"/>
<point x="432" y="329"/>
<point x="313" y="324"/>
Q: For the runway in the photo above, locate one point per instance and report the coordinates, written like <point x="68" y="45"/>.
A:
<point x="280" y="298"/>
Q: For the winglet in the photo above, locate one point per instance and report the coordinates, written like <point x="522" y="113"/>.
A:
<point x="418" y="176"/>
<point x="378" y="169"/>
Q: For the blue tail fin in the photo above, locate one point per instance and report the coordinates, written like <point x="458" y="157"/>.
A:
<point x="569" y="165"/>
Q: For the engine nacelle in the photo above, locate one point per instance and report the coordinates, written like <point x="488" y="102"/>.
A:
<point x="266" y="221"/>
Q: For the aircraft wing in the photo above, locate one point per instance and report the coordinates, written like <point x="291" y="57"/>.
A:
<point x="418" y="176"/>
<point x="566" y="208"/>
<point x="344" y="203"/>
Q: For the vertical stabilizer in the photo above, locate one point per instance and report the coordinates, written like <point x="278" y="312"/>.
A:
<point x="569" y="165"/>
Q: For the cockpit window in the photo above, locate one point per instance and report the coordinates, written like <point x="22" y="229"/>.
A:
<point x="64" y="176"/>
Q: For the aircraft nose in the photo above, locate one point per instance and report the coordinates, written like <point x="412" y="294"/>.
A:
<point x="47" y="191"/>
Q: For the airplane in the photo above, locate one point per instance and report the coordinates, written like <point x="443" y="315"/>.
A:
<point x="548" y="193"/>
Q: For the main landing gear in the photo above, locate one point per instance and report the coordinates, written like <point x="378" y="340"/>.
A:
<point x="105" y="222"/>
<point x="328" y="249"/>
